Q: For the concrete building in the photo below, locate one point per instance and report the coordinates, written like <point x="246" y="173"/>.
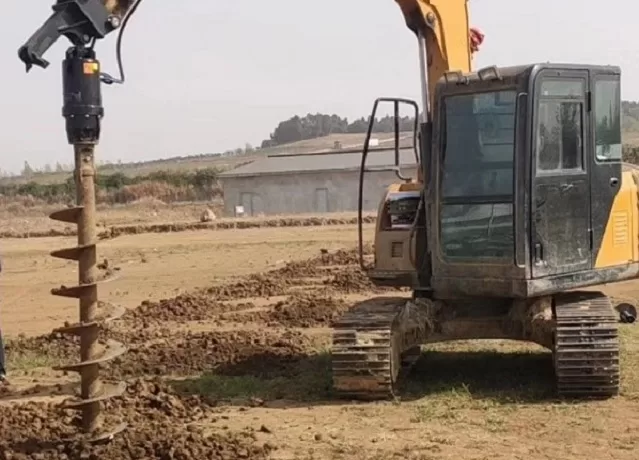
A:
<point x="311" y="183"/>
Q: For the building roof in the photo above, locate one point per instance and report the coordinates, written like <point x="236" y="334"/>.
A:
<point x="320" y="162"/>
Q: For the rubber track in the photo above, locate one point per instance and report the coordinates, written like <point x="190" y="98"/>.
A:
<point x="586" y="346"/>
<point x="362" y="355"/>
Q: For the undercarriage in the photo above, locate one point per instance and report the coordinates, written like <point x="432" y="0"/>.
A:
<point x="380" y="337"/>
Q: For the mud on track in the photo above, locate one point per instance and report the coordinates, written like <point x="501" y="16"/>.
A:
<point x="251" y="328"/>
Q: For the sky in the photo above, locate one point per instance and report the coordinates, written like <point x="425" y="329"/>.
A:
<point x="207" y="76"/>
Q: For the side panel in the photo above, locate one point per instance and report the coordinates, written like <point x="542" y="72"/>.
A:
<point x="561" y="195"/>
<point x="612" y="200"/>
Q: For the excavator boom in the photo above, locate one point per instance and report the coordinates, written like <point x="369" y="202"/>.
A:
<point x="446" y="41"/>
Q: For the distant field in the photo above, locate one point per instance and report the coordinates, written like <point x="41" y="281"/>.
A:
<point x="347" y="141"/>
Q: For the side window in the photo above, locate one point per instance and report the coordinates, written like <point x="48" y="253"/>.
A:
<point x="560" y="132"/>
<point x="608" y="120"/>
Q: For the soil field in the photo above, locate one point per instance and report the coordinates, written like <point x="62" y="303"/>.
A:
<point x="154" y="216"/>
<point x="228" y="333"/>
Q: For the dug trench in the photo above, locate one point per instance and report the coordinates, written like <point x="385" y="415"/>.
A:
<point x="258" y="339"/>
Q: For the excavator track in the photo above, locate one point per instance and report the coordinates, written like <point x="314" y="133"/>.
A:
<point x="586" y="351"/>
<point x="367" y="349"/>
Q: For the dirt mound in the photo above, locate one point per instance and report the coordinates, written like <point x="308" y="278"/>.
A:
<point x="309" y="267"/>
<point x="257" y="285"/>
<point x="192" y="353"/>
<point x="162" y="425"/>
<point x="304" y="310"/>
<point x="279" y="281"/>
<point x="351" y="282"/>
<point x="298" y="310"/>
<point x="186" y="307"/>
<point x="211" y="302"/>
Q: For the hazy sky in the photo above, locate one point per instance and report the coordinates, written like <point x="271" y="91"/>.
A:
<point x="206" y="76"/>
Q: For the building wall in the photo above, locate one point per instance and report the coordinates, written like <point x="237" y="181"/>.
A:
<point x="306" y="193"/>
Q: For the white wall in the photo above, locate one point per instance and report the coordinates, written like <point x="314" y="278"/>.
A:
<point x="296" y="193"/>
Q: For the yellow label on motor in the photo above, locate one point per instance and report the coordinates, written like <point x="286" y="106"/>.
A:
<point x="90" y="68"/>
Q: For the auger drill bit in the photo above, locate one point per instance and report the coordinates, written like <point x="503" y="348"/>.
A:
<point x="84" y="22"/>
<point x="83" y="111"/>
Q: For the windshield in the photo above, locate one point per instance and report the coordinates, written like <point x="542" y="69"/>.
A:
<point x="477" y="176"/>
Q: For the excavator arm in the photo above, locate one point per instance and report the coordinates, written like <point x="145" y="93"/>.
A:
<point x="446" y="40"/>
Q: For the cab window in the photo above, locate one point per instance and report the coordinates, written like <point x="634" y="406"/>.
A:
<point x="560" y="126"/>
<point x="476" y="219"/>
<point x="607" y="110"/>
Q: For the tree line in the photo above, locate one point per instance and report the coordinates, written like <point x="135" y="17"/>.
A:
<point x="316" y="125"/>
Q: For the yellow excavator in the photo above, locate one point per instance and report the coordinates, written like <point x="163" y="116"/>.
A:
<point x="519" y="204"/>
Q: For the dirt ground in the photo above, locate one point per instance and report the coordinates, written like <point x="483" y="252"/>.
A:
<point x="228" y="333"/>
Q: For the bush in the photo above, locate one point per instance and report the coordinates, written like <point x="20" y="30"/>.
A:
<point x="168" y="186"/>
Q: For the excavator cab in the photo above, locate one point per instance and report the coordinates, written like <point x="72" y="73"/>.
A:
<point x="521" y="186"/>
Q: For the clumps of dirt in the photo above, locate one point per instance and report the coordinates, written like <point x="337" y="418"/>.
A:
<point x="351" y="282"/>
<point x="210" y="303"/>
<point x="304" y="310"/>
<point x="279" y="281"/>
<point x="256" y="285"/>
<point x="161" y="424"/>
<point x="193" y="353"/>
<point x="298" y="310"/>
<point x="183" y="308"/>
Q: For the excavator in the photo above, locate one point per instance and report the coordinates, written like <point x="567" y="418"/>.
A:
<point x="520" y="208"/>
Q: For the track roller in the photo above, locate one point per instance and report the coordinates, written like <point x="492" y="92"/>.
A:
<point x="372" y="344"/>
<point x="586" y="349"/>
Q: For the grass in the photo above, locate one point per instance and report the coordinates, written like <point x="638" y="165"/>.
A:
<point x="307" y="380"/>
<point x="492" y="377"/>
<point x="24" y="361"/>
<point x="505" y="377"/>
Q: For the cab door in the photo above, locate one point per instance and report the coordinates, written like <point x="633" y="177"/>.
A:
<point x="561" y="235"/>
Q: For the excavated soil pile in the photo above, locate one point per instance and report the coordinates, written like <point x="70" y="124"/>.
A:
<point x="279" y="281"/>
<point x="336" y="271"/>
<point x="258" y="285"/>
<point x="304" y="310"/>
<point x="351" y="282"/>
<point x="253" y="352"/>
<point x="183" y="308"/>
<point x="298" y="310"/>
<point x="161" y="424"/>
